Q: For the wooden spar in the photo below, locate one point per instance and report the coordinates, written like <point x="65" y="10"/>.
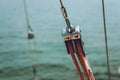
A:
<point x="70" y="50"/>
<point x="74" y="47"/>
<point x="83" y="60"/>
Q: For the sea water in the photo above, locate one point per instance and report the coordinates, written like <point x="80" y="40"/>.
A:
<point x="51" y="58"/>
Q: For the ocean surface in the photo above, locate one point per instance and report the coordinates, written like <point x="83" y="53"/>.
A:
<point x="51" y="58"/>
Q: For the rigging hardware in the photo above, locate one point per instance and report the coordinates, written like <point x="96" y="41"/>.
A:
<point x="73" y="42"/>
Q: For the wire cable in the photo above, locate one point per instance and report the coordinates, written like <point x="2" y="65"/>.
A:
<point x="106" y="43"/>
<point x="64" y="13"/>
<point x="30" y="37"/>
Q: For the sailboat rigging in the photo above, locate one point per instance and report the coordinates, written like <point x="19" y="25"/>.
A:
<point x="106" y="41"/>
<point x="73" y="42"/>
<point x="30" y="37"/>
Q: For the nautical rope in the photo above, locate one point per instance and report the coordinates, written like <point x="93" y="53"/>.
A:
<point x="31" y="36"/>
<point x="106" y="43"/>
<point x="32" y="59"/>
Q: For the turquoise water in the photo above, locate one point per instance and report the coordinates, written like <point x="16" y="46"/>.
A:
<point x="51" y="59"/>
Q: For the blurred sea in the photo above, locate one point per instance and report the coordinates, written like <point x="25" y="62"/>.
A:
<point x="51" y="59"/>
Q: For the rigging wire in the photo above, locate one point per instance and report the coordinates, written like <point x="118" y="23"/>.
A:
<point x="31" y="36"/>
<point x="26" y="14"/>
<point x="106" y="43"/>
<point x="64" y="13"/>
